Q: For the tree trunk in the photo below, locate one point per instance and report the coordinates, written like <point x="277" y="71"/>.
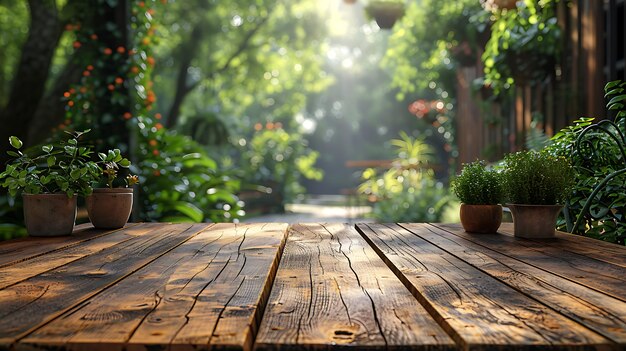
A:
<point x="31" y="74"/>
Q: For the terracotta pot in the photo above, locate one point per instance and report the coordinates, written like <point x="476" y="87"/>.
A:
<point x="49" y="214"/>
<point x="481" y="218"/>
<point x="110" y="208"/>
<point x="534" y="221"/>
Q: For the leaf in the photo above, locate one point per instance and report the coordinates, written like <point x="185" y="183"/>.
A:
<point x="124" y="163"/>
<point x="46" y="148"/>
<point x="51" y="161"/>
<point x="15" y="142"/>
<point x="189" y="210"/>
<point x="13" y="153"/>
<point x="612" y="84"/>
<point x="75" y="174"/>
<point x="617" y="98"/>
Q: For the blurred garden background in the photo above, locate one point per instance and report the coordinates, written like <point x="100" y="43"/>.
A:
<point x="233" y="110"/>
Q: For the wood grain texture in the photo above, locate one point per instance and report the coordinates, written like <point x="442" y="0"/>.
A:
<point x="332" y="291"/>
<point x="599" y="312"/>
<point x="27" y="305"/>
<point x="581" y="245"/>
<point x="19" y="250"/>
<point x="32" y="266"/>
<point x="548" y="255"/>
<point x="479" y="311"/>
<point x="207" y="293"/>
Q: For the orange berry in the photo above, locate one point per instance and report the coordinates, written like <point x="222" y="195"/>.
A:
<point x="135" y="69"/>
<point x="66" y="94"/>
<point x="127" y="115"/>
<point x="94" y="37"/>
<point x="258" y="126"/>
<point x="83" y="90"/>
<point x="70" y="103"/>
<point x="119" y="80"/>
<point x="152" y="142"/>
<point x="111" y="87"/>
<point x="76" y="44"/>
<point x="72" y="90"/>
<point x="121" y="49"/>
<point x="158" y="126"/>
<point x="108" y="51"/>
<point x="86" y="73"/>
<point x="69" y="27"/>
<point x="156" y="173"/>
<point x="142" y="4"/>
<point x="150" y="60"/>
<point x="155" y="152"/>
<point x="145" y="41"/>
<point x="90" y="68"/>
<point x="158" y="116"/>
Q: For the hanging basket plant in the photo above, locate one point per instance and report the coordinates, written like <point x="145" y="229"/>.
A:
<point x="496" y="5"/>
<point x="385" y="12"/>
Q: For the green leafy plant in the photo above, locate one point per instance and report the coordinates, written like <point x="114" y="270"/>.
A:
<point x="408" y="191"/>
<point x="62" y="168"/>
<point x="110" y="164"/>
<point x="537" y="178"/>
<point x="477" y="185"/>
<point x="279" y="160"/>
<point x="524" y="45"/>
<point x="597" y="205"/>
<point x="184" y="184"/>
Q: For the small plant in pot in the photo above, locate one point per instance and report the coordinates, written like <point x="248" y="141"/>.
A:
<point x="480" y="191"/>
<point x="110" y="207"/>
<point x="50" y="177"/>
<point x="537" y="186"/>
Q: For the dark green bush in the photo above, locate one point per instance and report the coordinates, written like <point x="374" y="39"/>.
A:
<point x="477" y="185"/>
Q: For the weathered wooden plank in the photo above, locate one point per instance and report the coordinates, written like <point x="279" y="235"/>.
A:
<point x="332" y="291"/>
<point x="548" y="255"/>
<point x="479" y="311"/>
<point x="578" y="244"/>
<point x="31" y="303"/>
<point x="24" y="269"/>
<point x="18" y="250"/>
<point x="599" y="312"/>
<point x="207" y="293"/>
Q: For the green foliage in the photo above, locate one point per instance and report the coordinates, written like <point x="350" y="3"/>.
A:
<point x="182" y="183"/>
<point x="537" y="178"/>
<point x="111" y="163"/>
<point x="524" y="44"/>
<point x="61" y="168"/>
<point x="408" y="191"/>
<point x="597" y="203"/>
<point x="477" y="185"/>
<point x="14" y="23"/>
<point x="279" y="160"/>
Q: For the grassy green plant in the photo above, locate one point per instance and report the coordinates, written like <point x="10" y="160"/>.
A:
<point x="408" y="191"/>
<point x="537" y="178"/>
<point x="61" y="168"/>
<point x="477" y="185"/>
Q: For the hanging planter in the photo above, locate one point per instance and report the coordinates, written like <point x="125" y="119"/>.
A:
<point x="495" y="5"/>
<point x="385" y="12"/>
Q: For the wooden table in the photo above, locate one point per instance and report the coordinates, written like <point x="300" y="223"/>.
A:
<point x="268" y="286"/>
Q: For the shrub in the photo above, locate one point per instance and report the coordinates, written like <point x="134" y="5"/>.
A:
<point x="537" y="178"/>
<point x="408" y="191"/>
<point x="477" y="185"/>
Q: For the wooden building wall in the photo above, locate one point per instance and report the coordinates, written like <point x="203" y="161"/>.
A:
<point x="593" y="54"/>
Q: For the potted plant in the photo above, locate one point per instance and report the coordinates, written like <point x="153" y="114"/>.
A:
<point x="50" y="180"/>
<point x="536" y="186"/>
<point x="110" y="207"/>
<point x="385" y="12"/>
<point x="480" y="191"/>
